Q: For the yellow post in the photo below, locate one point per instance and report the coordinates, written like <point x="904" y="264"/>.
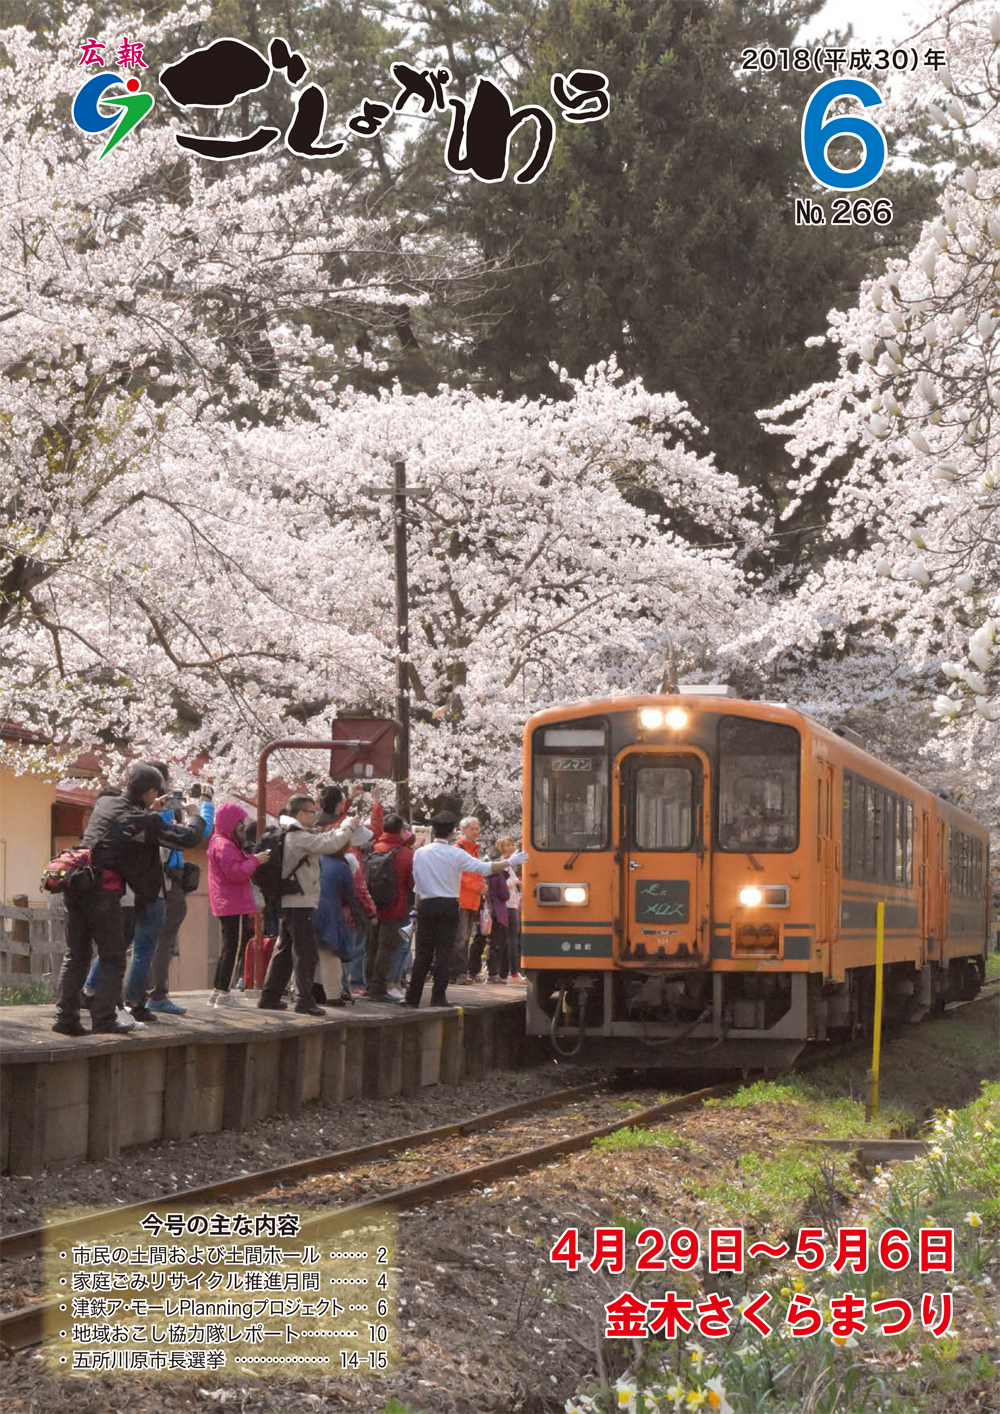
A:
<point x="872" y="1107"/>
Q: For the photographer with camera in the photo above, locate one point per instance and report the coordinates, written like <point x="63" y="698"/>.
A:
<point x="180" y="879"/>
<point x="124" y="836"/>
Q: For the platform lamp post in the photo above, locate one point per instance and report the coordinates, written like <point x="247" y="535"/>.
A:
<point x="399" y="491"/>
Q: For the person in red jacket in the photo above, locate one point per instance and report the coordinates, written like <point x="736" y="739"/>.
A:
<point x="383" y="939"/>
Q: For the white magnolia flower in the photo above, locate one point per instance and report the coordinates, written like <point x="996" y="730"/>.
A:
<point x="927" y="390"/>
<point x="916" y="570"/>
<point x="979" y="655"/>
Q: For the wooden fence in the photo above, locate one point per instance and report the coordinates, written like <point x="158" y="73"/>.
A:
<point x="32" y="942"/>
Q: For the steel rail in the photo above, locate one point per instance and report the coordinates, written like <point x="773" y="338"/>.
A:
<point x="24" y="1328"/>
<point x="28" y="1241"/>
<point x="433" y="1189"/>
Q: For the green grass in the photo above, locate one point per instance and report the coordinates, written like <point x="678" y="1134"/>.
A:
<point x="624" y="1139"/>
<point x="830" y="1116"/>
<point x="992" y="966"/>
<point x="773" y="1191"/>
<point x="31" y="994"/>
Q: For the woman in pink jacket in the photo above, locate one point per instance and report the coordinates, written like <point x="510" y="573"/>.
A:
<point x="229" y="893"/>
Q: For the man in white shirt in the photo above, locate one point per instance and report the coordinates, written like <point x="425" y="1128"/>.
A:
<point x="437" y="878"/>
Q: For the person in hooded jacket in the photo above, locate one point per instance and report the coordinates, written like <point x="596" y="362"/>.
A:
<point x="124" y="836"/>
<point x="230" y="896"/>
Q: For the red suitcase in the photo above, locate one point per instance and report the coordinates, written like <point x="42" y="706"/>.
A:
<point x="256" y="958"/>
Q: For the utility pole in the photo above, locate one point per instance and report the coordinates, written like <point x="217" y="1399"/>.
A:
<point x="399" y="492"/>
<point x="402" y="643"/>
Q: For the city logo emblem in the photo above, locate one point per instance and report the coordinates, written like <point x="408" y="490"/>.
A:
<point x="88" y="115"/>
<point x="89" y="118"/>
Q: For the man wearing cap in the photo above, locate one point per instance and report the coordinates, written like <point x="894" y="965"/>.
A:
<point x="296" y="945"/>
<point x="437" y="879"/>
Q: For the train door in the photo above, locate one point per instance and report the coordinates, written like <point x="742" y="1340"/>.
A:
<point x="827" y="858"/>
<point x="664" y="860"/>
<point x="942" y="885"/>
<point x="928" y="922"/>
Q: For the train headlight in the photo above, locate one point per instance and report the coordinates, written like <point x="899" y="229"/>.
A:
<point x="676" y="719"/>
<point x="763" y="896"/>
<point x="651" y="718"/>
<point x="559" y="895"/>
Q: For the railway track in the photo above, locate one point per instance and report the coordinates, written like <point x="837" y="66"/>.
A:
<point x="23" y="1328"/>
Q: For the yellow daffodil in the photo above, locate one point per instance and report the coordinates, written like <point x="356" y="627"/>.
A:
<point x="696" y="1398"/>
<point x="847" y="1341"/>
<point x="973" y="1219"/>
<point x="626" y="1390"/>
<point x="798" y="1284"/>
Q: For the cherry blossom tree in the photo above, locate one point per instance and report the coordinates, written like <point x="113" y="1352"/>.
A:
<point x="533" y="575"/>
<point x="188" y="560"/>
<point x="911" y="590"/>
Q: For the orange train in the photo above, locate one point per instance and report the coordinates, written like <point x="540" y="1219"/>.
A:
<point x="703" y="879"/>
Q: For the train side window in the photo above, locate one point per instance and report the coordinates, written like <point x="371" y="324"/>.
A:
<point x="846" y="822"/>
<point x="966" y="864"/>
<point x="870" y="844"/>
<point x="858" y="830"/>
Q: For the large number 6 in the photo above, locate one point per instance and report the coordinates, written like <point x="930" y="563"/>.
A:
<point x="817" y="134"/>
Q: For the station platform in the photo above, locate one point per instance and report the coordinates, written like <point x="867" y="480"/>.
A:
<point x="65" y="1098"/>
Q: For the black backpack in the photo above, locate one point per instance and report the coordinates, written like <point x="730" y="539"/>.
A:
<point x="380" y="878"/>
<point x="268" y="876"/>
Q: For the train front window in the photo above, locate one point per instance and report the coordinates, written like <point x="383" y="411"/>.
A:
<point x="758" y="807"/>
<point x="662" y="814"/>
<point x="570" y="786"/>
